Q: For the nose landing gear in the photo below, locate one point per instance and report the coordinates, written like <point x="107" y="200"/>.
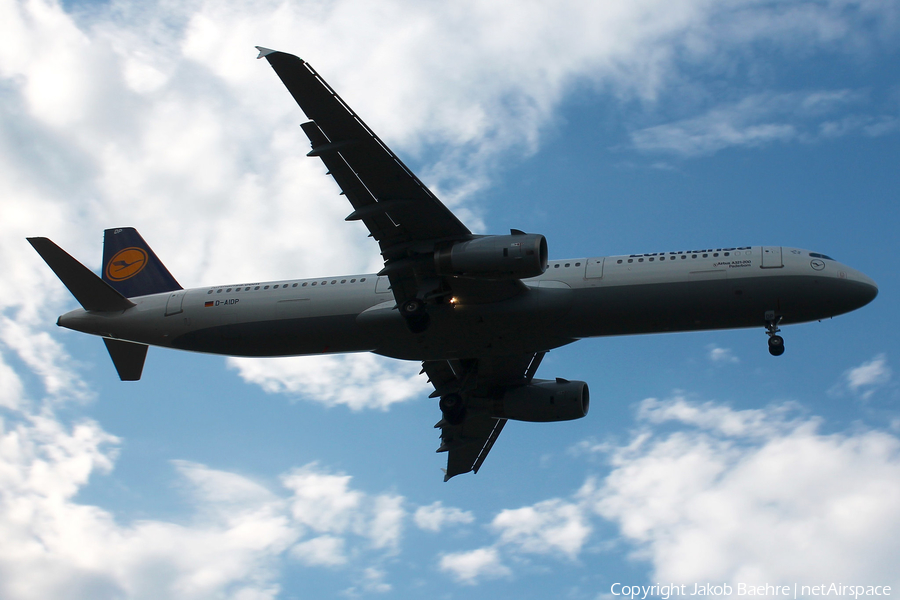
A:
<point x="776" y="342"/>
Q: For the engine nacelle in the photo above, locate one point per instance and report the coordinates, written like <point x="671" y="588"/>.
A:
<point x="517" y="256"/>
<point x="544" y="401"/>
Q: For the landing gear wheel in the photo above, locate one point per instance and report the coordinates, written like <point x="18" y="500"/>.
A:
<point x="776" y="345"/>
<point x="411" y="308"/>
<point x="776" y="342"/>
<point x="453" y="408"/>
<point x="414" y="312"/>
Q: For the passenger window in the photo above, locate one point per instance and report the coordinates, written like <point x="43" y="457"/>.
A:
<point x="304" y="284"/>
<point x="619" y="262"/>
<point x="343" y="281"/>
<point x="567" y="265"/>
<point x="209" y="292"/>
<point x="315" y="282"/>
<point x="295" y="285"/>
<point x="706" y="256"/>
<point x="352" y="281"/>
<point x="256" y="288"/>
<point x="631" y="260"/>
<point x="219" y="291"/>
<point x="556" y="266"/>
<point x="333" y="281"/>
<point x="363" y="279"/>
<point x="651" y="259"/>
<point x="640" y="260"/>
<point x="577" y="264"/>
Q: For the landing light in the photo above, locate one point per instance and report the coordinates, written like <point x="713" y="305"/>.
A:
<point x="454" y="300"/>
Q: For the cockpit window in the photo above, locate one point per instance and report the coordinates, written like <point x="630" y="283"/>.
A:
<point x="817" y="255"/>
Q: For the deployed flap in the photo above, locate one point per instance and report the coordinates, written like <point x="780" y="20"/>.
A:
<point x="131" y="267"/>
<point x="473" y="440"/>
<point x="128" y="357"/>
<point x="91" y="292"/>
<point x="468" y="440"/>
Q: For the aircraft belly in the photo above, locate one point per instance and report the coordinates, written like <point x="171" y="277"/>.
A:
<point x="280" y="337"/>
<point x="524" y="324"/>
<point x="709" y="302"/>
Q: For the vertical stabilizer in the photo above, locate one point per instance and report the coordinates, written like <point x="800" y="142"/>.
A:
<point x="131" y="267"/>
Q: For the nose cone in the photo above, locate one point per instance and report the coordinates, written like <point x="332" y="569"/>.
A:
<point x="859" y="288"/>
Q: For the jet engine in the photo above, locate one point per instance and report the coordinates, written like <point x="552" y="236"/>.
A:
<point x="544" y="401"/>
<point x="516" y="256"/>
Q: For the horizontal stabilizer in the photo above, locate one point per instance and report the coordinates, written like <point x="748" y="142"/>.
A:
<point x="91" y="292"/>
<point x="128" y="357"/>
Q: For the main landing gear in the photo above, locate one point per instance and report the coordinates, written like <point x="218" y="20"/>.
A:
<point x="414" y="313"/>
<point x="453" y="408"/>
<point x="776" y="342"/>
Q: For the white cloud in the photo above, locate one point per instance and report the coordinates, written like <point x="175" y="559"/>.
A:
<point x="435" y="516"/>
<point x="872" y="374"/>
<point x="796" y="505"/>
<point x="548" y="527"/>
<point x="357" y="381"/>
<point x="373" y="581"/>
<point x="728" y="496"/>
<point x="228" y="544"/>
<point x="54" y="546"/>
<point x="719" y="419"/>
<point x="865" y="380"/>
<point x="324" y="502"/>
<point x="719" y="356"/>
<point x="763" y="119"/>
<point x="325" y="550"/>
<point x="468" y="567"/>
<point x="386" y="527"/>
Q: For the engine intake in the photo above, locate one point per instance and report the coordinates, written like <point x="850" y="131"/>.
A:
<point x="517" y="256"/>
<point x="544" y="401"/>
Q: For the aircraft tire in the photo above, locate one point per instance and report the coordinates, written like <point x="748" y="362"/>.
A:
<point x="414" y="307"/>
<point x="453" y="408"/>
<point x="776" y="345"/>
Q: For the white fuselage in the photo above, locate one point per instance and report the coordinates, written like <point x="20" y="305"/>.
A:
<point x="573" y="299"/>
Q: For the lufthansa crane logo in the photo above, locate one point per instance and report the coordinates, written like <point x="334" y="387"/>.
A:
<point x="126" y="264"/>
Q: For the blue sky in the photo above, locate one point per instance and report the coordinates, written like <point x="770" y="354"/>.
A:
<point x="610" y="128"/>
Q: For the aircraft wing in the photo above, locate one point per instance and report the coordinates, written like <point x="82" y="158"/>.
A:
<point x="468" y="435"/>
<point x="396" y="207"/>
<point x="404" y="216"/>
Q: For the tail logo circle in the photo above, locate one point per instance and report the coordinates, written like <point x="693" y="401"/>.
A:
<point x="126" y="264"/>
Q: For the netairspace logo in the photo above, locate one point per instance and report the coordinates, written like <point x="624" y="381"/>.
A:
<point x="665" y="592"/>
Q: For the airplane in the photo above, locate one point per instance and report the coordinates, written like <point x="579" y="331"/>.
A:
<point x="478" y="311"/>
